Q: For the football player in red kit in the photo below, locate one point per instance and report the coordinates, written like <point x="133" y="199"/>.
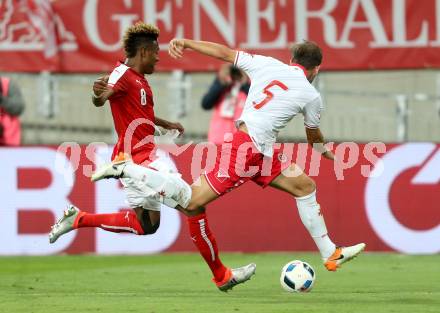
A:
<point x="132" y="106"/>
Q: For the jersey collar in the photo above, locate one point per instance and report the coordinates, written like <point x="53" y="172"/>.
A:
<point x="301" y="67"/>
<point x="133" y="71"/>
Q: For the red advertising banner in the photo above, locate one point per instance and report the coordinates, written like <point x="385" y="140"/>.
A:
<point x="391" y="207"/>
<point x="85" y="35"/>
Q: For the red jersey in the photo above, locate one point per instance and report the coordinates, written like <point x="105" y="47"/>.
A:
<point x="133" y="114"/>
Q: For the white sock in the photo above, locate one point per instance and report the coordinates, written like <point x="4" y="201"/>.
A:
<point x="311" y="217"/>
<point x="163" y="183"/>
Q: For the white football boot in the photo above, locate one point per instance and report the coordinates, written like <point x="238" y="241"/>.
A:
<point x="342" y="255"/>
<point x="64" y="224"/>
<point x="236" y="276"/>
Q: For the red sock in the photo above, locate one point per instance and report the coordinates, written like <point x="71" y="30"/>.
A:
<point x="115" y="222"/>
<point x="205" y="242"/>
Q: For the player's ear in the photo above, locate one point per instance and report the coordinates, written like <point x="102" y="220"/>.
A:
<point x="143" y="52"/>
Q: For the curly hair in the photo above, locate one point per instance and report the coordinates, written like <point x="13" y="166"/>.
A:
<point x="307" y="54"/>
<point x="139" y="35"/>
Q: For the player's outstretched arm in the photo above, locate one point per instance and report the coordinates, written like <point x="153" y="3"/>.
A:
<point x="316" y="140"/>
<point x="212" y="49"/>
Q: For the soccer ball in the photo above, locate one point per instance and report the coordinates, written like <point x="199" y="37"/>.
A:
<point x="297" y="276"/>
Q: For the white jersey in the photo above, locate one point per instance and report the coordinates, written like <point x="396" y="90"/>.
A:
<point x="278" y="92"/>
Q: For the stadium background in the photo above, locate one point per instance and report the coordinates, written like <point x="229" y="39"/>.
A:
<point x="380" y="83"/>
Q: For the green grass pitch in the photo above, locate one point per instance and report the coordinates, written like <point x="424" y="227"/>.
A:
<point x="181" y="283"/>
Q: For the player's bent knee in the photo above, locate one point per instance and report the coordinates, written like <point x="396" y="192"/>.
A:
<point x="306" y="187"/>
<point x="310" y="185"/>
<point x="194" y="205"/>
<point x="193" y="210"/>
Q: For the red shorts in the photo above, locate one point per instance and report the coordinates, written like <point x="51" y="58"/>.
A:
<point x="239" y="161"/>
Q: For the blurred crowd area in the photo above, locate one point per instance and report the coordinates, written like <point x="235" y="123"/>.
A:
<point x="360" y="106"/>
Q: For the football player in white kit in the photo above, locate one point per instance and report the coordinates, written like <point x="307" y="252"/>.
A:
<point x="278" y="92"/>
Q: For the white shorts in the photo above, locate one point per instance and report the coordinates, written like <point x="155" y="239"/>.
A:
<point x="137" y="194"/>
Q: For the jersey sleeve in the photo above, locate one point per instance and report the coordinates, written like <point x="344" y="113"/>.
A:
<point x="312" y="113"/>
<point x="118" y="81"/>
<point x="250" y="63"/>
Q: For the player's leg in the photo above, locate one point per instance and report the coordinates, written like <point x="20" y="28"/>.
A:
<point x="225" y="278"/>
<point x="200" y="232"/>
<point x="144" y="219"/>
<point x="170" y="186"/>
<point x="206" y="189"/>
<point x="74" y="218"/>
<point x="303" y="189"/>
<point x="137" y="221"/>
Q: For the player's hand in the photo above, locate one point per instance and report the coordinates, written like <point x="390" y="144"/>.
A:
<point x="177" y="126"/>
<point x="176" y="47"/>
<point x="100" y="85"/>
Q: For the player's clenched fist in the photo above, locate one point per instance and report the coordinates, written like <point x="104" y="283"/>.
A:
<point x="176" y="47"/>
<point x="100" y="85"/>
